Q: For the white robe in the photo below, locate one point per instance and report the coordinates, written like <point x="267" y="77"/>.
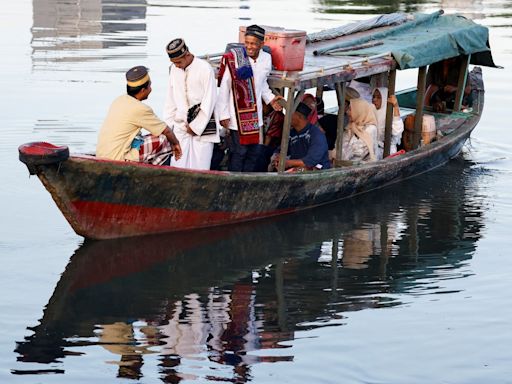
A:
<point x="397" y="126"/>
<point x="194" y="85"/>
<point x="261" y="68"/>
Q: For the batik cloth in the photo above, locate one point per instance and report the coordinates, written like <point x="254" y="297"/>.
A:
<point x="153" y="149"/>
<point x="244" y="95"/>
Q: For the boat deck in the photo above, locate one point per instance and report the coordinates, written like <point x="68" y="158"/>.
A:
<point x="324" y="69"/>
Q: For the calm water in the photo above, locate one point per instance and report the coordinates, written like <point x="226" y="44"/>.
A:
<point x="410" y="284"/>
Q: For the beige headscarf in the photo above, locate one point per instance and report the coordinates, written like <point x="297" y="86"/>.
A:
<point x="363" y="113"/>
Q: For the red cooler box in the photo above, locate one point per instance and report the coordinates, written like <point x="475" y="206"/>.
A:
<point x="287" y="46"/>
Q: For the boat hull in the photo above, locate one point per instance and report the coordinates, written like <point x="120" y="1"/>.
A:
<point x="105" y="199"/>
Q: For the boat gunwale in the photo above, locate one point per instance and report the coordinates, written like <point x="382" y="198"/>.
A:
<point x="438" y="145"/>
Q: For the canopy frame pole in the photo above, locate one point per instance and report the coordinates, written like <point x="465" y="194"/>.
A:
<point x="341" y="90"/>
<point x="320" y="91"/>
<point x="291" y="104"/>
<point x="461" y="85"/>
<point x="389" y="114"/>
<point x="420" y="101"/>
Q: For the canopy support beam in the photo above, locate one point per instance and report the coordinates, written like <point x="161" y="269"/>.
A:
<point x="420" y="101"/>
<point x="389" y="113"/>
<point x="291" y="105"/>
<point x="341" y="89"/>
<point x="461" y="85"/>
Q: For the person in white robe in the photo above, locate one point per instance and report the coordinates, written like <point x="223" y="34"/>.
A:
<point x="380" y="94"/>
<point x="189" y="106"/>
<point x="261" y="64"/>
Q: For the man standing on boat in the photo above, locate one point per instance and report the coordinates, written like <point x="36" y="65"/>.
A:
<point x="119" y="137"/>
<point x="242" y="87"/>
<point x="189" y="106"/>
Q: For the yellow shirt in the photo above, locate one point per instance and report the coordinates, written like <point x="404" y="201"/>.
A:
<point x="124" y="120"/>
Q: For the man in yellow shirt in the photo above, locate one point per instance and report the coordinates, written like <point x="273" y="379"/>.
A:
<point x="119" y="137"/>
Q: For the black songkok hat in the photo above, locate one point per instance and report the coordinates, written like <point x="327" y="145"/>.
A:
<point x="176" y="48"/>
<point x="256" y="31"/>
<point x="303" y="109"/>
<point x="137" y="76"/>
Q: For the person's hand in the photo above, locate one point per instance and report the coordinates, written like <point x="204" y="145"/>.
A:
<point x="225" y="123"/>
<point x="176" y="148"/>
<point x="189" y="130"/>
<point x="274" y="160"/>
<point x="393" y="101"/>
<point x="275" y="103"/>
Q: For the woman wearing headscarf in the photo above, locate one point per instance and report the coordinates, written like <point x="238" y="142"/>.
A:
<point x="360" y="136"/>
<point x="380" y="94"/>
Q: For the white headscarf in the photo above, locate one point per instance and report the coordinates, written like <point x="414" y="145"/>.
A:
<point x="381" y="112"/>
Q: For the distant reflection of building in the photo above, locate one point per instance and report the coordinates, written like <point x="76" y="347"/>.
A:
<point x="63" y="30"/>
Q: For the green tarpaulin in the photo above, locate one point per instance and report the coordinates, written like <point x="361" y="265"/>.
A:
<point x="424" y="40"/>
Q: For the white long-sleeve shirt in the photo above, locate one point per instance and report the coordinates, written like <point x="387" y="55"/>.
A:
<point x="193" y="85"/>
<point x="261" y="68"/>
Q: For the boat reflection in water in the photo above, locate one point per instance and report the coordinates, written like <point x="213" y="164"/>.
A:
<point x="209" y="304"/>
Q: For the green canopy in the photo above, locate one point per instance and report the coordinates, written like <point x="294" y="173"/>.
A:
<point x="424" y="40"/>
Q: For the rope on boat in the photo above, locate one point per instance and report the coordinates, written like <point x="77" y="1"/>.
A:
<point x="360" y="26"/>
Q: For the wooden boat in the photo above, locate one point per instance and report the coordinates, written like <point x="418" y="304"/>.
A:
<point x="109" y="199"/>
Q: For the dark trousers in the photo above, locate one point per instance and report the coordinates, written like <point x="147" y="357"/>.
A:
<point x="219" y="151"/>
<point x="244" y="158"/>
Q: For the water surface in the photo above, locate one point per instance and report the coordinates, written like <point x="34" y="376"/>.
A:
<point x="409" y="284"/>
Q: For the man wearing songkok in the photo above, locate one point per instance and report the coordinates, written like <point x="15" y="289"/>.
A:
<point x="307" y="146"/>
<point x="119" y="137"/>
<point x="189" y="106"/>
<point x="243" y="84"/>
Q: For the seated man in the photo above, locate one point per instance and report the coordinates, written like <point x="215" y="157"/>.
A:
<point x="119" y="137"/>
<point x="442" y="83"/>
<point x="307" y="147"/>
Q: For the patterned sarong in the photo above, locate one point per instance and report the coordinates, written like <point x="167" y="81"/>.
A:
<point x="154" y="149"/>
<point x="244" y="95"/>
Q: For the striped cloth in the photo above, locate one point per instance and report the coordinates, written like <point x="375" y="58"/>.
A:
<point x="154" y="149"/>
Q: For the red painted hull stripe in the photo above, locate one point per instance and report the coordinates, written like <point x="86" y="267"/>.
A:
<point x="107" y="220"/>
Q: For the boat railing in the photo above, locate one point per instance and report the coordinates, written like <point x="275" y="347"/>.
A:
<point x="365" y="60"/>
<point x="214" y="59"/>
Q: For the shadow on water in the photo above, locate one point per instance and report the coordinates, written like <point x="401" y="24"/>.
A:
<point x="217" y="296"/>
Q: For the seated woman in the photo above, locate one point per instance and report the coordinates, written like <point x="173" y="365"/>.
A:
<point x="380" y="94"/>
<point x="442" y="83"/>
<point x="360" y="134"/>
